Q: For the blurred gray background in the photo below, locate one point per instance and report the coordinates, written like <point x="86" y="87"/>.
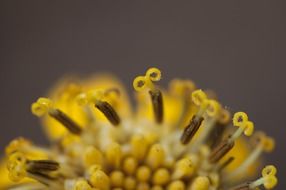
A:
<point x="236" y="47"/>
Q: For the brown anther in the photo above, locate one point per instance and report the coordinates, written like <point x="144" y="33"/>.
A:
<point x="108" y="111"/>
<point x="222" y="149"/>
<point x="191" y="129"/>
<point x="157" y="102"/>
<point x="66" y="121"/>
<point x="42" y="165"/>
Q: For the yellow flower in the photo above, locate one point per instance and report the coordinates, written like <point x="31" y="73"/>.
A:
<point x="177" y="138"/>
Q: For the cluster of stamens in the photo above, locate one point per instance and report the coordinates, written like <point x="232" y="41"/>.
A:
<point x="190" y="152"/>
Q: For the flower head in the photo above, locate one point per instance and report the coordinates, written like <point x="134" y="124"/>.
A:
<point x="180" y="138"/>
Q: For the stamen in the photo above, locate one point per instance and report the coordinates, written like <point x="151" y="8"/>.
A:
<point x="191" y="129"/>
<point x="213" y="112"/>
<point x="96" y="97"/>
<point x="240" y="119"/>
<point x="20" y="167"/>
<point x="268" y="180"/>
<point x="222" y="149"/>
<point x="45" y="105"/>
<point x="200" y="99"/>
<point x="146" y="82"/>
<point x="264" y="143"/>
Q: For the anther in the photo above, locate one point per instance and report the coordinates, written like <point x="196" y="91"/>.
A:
<point x="108" y="111"/>
<point x="146" y="82"/>
<point x="42" y="165"/>
<point x="66" y="121"/>
<point x="157" y="102"/>
<point x="222" y="149"/>
<point x="191" y="129"/>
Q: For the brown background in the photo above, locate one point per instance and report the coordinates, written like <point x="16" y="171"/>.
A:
<point x="236" y="47"/>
